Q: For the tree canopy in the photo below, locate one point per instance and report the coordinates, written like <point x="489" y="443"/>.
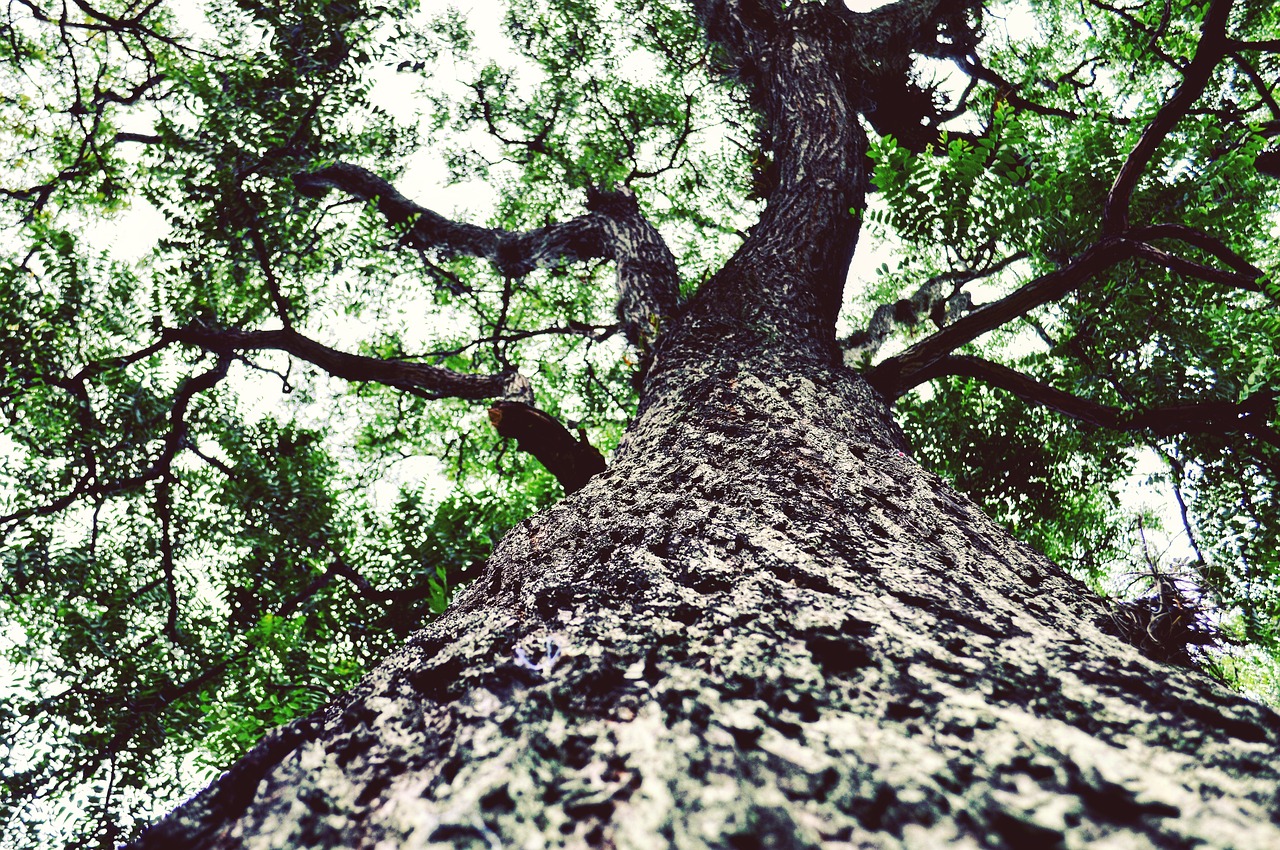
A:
<point x="239" y="469"/>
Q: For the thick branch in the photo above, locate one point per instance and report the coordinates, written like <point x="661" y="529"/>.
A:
<point x="813" y="70"/>
<point x="787" y="278"/>
<point x="419" y="378"/>
<point x="1199" y="239"/>
<point x="1215" y="417"/>
<point x="512" y="254"/>
<point x="1267" y="46"/>
<point x="140" y="138"/>
<point x="737" y="24"/>
<point x="896" y="375"/>
<point x="571" y="461"/>
<point x="1247" y="280"/>
<point x="930" y="299"/>
<point x="1212" y="47"/>
<point x="614" y="229"/>
<point x="938" y="28"/>
<point x="648" y="284"/>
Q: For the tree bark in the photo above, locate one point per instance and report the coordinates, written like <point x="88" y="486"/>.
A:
<point x="763" y="626"/>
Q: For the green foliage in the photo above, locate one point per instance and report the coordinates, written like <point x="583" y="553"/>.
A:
<point x="1023" y="465"/>
<point x="1025" y="175"/>
<point x="199" y="546"/>
<point x="971" y="195"/>
<point x="602" y="94"/>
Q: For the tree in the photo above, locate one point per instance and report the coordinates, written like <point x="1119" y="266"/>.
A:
<point x="761" y="622"/>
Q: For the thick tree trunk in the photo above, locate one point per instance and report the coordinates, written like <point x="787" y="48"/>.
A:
<point x="763" y="626"/>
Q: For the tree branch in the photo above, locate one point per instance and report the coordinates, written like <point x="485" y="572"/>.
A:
<point x="927" y="300"/>
<point x="1267" y="46"/>
<point x="512" y="254"/>
<point x="1212" y="47"/>
<point x="365" y="589"/>
<point x="1153" y="36"/>
<point x="1213" y="417"/>
<point x="1259" y="84"/>
<point x="164" y="512"/>
<point x="278" y="300"/>
<point x="648" y="283"/>
<point x="919" y="25"/>
<point x="86" y="486"/>
<point x="419" y="378"/>
<point x="140" y="138"/>
<point x="1198" y="239"/>
<point x="973" y="66"/>
<point x="895" y="375"/>
<point x="595" y="333"/>
<point x="1247" y="280"/>
<point x="572" y="461"/>
<point x="614" y="229"/>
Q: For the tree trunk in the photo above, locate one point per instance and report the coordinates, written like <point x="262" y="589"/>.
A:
<point x="763" y="626"/>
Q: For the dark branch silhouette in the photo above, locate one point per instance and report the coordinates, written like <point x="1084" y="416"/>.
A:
<point x="1211" y="48"/>
<point x="895" y="375"/>
<point x="1250" y="416"/>
<point x="1198" y="239"/>
<point x="89" y="486"/>
<point x="614" y="229"/>
<point x="1248" y="281"/>
<point x="512" y="254"/>
<point x="572" y="461"/>
<point x="429" y="381"/>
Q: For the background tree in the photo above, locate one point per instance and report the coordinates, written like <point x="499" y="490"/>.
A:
<point x="1082" y="228"/>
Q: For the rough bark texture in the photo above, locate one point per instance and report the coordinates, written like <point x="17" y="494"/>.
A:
<point x="764" y="625"/>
